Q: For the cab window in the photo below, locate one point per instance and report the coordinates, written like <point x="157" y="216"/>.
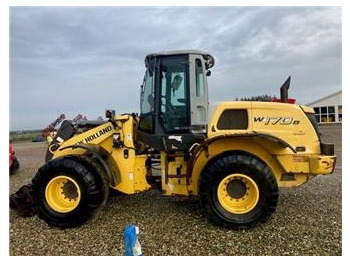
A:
<point x="174" y="95"/>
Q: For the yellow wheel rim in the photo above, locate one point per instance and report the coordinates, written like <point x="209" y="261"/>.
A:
<point x="238" y="193"/>
<point x="62" y="194"/>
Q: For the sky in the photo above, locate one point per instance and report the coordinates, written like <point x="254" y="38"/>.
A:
<point x="83" y="60"/>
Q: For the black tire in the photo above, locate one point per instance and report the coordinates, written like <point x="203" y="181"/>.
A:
<point x="242" y="170"/>
<point x="83" y="192"/>
<point x="15" y="166"/>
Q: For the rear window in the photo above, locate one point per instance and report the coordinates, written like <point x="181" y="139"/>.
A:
<point x="233" y="119"/>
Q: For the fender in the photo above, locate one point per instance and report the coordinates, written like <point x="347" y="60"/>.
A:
<point x="197" y="161"/>
<point x="96" y="152"/>
<point x="205" y="145"/>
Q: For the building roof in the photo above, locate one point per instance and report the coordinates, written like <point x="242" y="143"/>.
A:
<point x="323" y="98"/>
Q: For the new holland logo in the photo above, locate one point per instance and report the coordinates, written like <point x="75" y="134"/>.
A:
<point x="92" y="137"/>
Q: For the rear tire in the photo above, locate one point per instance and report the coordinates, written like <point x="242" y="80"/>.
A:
<point x="238" y="191"/>
<point x="69" y="191"/>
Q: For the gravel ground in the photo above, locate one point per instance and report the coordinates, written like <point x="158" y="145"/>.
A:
<point x="308" y="221"/>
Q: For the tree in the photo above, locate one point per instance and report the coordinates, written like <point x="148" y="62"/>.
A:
<point x="263" y="98"/>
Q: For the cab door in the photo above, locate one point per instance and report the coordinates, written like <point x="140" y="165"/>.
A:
<point x="198" y="95"/>
<point x="174" y="100"/>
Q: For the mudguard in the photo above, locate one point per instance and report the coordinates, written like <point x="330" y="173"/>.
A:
<point x="95" y="151"/>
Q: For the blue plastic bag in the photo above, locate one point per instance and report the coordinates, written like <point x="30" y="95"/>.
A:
<point x="132" y="244"/>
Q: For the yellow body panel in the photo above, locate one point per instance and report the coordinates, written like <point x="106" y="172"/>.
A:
<point x="129" y="169"/>
<point x="173" y="176"/>
<point x="285" y="121"/>
<point x="322" y="164"/>
<point x="140" y="172"/>
<point x="95" y="136"/>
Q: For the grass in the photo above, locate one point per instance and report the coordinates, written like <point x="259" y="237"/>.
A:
<point x="23" y="137"/>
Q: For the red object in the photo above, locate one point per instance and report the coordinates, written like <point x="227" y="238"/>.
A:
<point x="290" y="100"/>
<point x="11" y="155"/>
<point x="14" y="164"/>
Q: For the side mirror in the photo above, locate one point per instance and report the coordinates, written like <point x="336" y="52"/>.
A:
<point x="110" y="114"/>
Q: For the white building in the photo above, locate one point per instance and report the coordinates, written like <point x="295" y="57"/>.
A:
<point x="328" y="109"/>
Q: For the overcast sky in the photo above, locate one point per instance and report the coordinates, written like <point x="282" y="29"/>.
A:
<point x="84" y="60"/>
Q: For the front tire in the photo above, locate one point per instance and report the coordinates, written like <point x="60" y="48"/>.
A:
<point x="238" y="191"/>
<point x="69" y="191"/>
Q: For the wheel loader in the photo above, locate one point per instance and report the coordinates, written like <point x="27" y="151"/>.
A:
<point x="234" y="156"/>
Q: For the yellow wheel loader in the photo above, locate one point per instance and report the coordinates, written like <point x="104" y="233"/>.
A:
<point x="234" y="156"/>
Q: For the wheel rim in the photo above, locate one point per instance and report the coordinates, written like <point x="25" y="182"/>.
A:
<point x="62" y="194"/>
<point x="238" y="193"/>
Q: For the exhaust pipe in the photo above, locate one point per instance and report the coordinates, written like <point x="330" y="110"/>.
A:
<point x="284" y="90"/>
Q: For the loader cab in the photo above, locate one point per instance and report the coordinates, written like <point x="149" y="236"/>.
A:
<point x="174" y="96"/>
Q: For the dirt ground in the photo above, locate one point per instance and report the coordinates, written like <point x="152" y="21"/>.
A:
<point x="308" y="220"/>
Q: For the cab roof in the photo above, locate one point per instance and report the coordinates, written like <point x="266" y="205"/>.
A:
<point x="208" y="57"/>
